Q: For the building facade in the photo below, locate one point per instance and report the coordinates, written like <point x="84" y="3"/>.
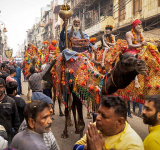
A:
<point x="96" y="14"/>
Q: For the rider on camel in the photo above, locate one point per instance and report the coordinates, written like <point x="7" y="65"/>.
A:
<point x="76" y="33"/>
<point x="108" y="41"/>
<point x="135" y="41"/>
<point x="135" y="38"/>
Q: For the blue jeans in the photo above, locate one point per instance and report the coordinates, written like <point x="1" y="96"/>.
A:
<point x="129" y="110"/>
<point x="134" y="106"/>
<point x="140" y="108"/>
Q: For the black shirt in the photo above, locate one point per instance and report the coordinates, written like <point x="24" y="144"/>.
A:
<point x="20" y="105"/>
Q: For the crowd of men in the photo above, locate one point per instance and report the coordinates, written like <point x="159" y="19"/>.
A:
<point x="28" y="126"/>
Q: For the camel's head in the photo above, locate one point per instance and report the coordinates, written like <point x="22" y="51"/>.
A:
<point x="131" y="63"/>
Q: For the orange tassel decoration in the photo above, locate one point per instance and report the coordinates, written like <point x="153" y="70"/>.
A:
<point x="97" y="95"/>
<point x="91" y="87"/>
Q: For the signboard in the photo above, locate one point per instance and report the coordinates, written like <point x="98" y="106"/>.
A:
<point x="8" y="53"/>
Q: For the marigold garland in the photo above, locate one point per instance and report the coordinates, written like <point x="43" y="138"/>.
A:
<point x="111" y="38"/>
<point x="135" y="38"/>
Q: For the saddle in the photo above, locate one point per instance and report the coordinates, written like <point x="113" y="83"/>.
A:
<point x="79" y="45"/>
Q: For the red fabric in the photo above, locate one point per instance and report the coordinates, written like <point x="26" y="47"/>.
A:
<point x="135" y="22"/>
<point x="46" y="59"/>
<point x="131" y="51"/>
<point x="51" y="48"/>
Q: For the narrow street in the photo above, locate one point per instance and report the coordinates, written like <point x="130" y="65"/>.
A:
<point x="58" y="125"/>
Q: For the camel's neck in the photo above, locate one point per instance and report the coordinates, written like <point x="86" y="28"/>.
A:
<point x="116" y="79"/>
<point x="121" y="79"/>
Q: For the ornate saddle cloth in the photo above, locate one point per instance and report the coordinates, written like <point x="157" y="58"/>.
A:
<point x="79" y="45"/>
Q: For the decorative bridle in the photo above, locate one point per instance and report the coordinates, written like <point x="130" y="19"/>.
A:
<point x="106" y="82"/>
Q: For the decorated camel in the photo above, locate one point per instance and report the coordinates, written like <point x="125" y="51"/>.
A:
<point x="149" y="85"/>
<point x="80" y="78"/>
<point x="83" y="81"/>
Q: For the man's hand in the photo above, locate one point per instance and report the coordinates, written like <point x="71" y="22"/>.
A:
<point x="93" y="49"/>
<point x="95" y="141"/>
<point x="64" y="24"/>
<point x="144" y="43"/>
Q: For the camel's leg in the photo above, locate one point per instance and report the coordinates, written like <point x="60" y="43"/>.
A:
<point x="74" y="116"/>
<point x="54" y="98"/>
<point x="89" y="102"/>
<point x="60" y="110"/>
<point x="78" y="105"/>
<point x="94" y="110"/>
<point x="69" y="121"/>
<point x="65" y="132"/>
<point x="28" y="94"/>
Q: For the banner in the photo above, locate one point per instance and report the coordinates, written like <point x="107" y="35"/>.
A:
<point x="8" y="53"/>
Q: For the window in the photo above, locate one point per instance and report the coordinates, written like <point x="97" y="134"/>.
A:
<point x="137" y="6"/>
<point x="122" y="11"/>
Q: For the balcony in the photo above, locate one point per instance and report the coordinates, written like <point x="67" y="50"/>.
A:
<point x="99" y="26"/>
<point x="76" y="6"/>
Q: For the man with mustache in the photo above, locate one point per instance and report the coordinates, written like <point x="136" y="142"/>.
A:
<point x="38" y="117"/>
<point x="76" y="33"/>
<point x="108" y="40"/>
<point x="49" y="138"/>
<point x="111" y="130"/>
<point x="151" y="116"/>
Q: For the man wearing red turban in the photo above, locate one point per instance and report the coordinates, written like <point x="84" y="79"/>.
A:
<point x="135" y="39"/>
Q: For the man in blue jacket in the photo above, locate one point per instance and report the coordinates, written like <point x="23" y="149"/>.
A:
<point x="18" y="76"/>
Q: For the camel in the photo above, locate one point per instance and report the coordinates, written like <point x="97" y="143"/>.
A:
<point x="124" y="73"/>
<point x="120" y="77"/>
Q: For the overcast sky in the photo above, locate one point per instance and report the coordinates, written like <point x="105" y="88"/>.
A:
<point x="19" y="16"/>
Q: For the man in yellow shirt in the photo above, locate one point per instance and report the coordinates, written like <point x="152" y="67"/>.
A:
<point x="111" y="130"/>
<point x="151" y="116"/>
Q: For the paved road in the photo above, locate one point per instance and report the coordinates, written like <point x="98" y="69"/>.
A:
<point x="67" y="144"/>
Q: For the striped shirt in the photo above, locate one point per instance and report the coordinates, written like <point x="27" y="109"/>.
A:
<point x="49" y="138"/>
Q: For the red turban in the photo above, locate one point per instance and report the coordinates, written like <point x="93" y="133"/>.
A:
<point x="135" y="22"/>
